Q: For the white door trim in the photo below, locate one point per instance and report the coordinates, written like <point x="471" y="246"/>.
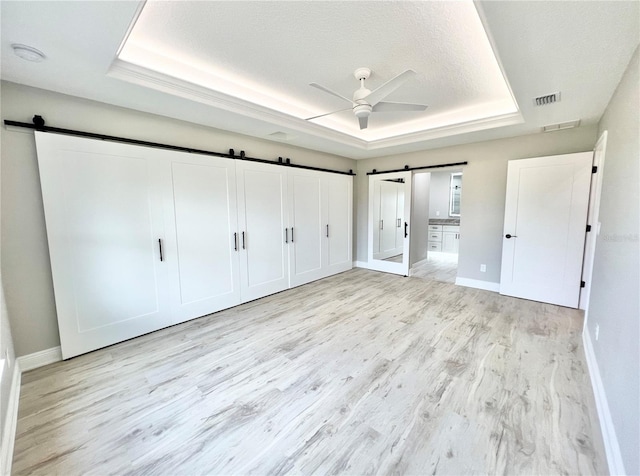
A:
<point x="599" y="152"/>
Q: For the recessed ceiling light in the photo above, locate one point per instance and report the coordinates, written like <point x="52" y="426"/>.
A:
<point x="28" y="53"/>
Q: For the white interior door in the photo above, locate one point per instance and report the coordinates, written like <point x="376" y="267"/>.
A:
<point x="262" y="219"/>
<point x="203" y="257"/>
<point x="103" y="211"/>
<point x="544" y="228"/>
<point x="338" y="228"/>
<point x="305" y="227"/>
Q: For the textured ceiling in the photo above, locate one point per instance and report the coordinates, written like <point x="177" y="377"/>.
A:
<point x="261" y="57"/>
<point x="268" y="52"/>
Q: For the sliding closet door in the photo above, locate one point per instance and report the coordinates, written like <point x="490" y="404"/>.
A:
<point x="339" y="211"/>
<point x="262" y="220"/>
<point x="103" y="211"/>
<point x="202" y="252"/>
<point x="305" y="234"/>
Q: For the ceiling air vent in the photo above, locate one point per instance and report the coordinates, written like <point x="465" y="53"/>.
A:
<point x="280" y="135"/>
<point x="547" y="99"/>
<point x="561" y="126"/>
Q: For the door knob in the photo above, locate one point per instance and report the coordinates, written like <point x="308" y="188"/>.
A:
<point x="507" y="236"/>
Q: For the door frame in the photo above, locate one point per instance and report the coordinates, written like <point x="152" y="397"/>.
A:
<point x="599" y="153"/>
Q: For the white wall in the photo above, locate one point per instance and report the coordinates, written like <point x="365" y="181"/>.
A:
<point x="615" y="288"/>
<point x="25" y="257"/>
<point x="419" y="217"/>
<point x="483" y="195"/>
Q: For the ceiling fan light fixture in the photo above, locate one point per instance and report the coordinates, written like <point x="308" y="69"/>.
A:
<point x="28" y="53"/>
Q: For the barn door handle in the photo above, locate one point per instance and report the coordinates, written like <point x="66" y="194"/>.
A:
<point x="286" y="235"/>
<point x="243" y="247"/>
<point x="399" y="222"/>
<point x="327" y="231"/>
<point x="160" y="247"/>
<point x="507" y="236"/>
<point x="291" y="234"/>
<point x="382" y="224"/>
<point x="405" y="229"/>
<point x="235" y="241"/>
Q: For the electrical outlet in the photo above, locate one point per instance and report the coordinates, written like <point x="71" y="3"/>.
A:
<point x="483" y="268"/>
<point x="597" y="331"/>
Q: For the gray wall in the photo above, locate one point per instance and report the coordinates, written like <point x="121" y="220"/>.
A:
<point x="484" y="186"/>
<point x="419" y="217"/>
<point x="439" y="195"/>
<point x="6" y="344"/>
<point x="614" y="303"/>
<point x="25" y="257"/>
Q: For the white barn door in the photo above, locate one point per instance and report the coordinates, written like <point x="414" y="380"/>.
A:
<point x="103" y="210"/>
<point x="544" y="228"/>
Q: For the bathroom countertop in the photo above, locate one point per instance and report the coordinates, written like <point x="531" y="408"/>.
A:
<point x="444" y="221"/>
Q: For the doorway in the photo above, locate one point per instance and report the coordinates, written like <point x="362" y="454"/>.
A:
<point x="436" y="210"/>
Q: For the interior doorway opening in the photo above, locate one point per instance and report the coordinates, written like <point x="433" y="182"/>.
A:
<point x="436" y="214"/>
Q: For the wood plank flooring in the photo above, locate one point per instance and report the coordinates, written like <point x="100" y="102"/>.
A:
<point x="360" y="373"/>
<point x="438" y="266"/>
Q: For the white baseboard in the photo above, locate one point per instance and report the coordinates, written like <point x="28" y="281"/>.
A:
<point x="39" y="359"/>
<point x="9" y="430"/>
<point x="478" y="284"/>
<point x="361" y="264"/>
<point x="611" y="445"/>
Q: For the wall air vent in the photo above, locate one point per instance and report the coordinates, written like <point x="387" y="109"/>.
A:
<point x="561" y="126"/>
<point x="547" y="99"/>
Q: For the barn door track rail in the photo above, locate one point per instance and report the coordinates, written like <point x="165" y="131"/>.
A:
<point x="39" y="125"/>
<point x="407" y="168"/>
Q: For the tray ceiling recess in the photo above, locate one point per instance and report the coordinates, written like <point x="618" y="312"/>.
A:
<point x="261" y="62"/>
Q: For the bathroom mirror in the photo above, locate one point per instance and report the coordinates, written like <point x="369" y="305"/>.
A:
<point x="455" y="192"/>
<point x="389" y="212"/>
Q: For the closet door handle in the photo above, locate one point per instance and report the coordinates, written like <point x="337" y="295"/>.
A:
<point x="243" y="247"/>
<point x="399" y="222"/>
<point x="327" y="231"/>
<point x="406" y="225"/>
<point x="382" y="224"/>
<point x="235" y="241"/>
<point x="286" y="235"/>
<point x="160" y="247"/>
<point x="291" y="234"/>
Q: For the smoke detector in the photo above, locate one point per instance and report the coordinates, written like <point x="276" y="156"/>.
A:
<point x="28" y="53"/>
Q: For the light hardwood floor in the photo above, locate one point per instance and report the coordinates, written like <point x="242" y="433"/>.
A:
<point x="438" y="266"/>
<point x="360" y="373"/>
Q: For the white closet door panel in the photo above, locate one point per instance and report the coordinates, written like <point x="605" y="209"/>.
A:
<point x="262" y="222"/>
<point x="305" y="241"/>
<point x="340" y="211"/>
<point x="206" y="265"/>
<point x="104" y="219"/>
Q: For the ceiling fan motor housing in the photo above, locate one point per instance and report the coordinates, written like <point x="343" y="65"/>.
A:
<point x="362" y="110"/>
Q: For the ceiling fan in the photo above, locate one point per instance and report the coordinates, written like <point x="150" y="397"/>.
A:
<point x="366" y="101"/>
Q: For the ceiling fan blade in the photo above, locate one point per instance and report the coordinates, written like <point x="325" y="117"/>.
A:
<point x="328" y="113"/>
<point x="387" y="88"/>
<point x="363" y="122"/>
<point x="397" y="106"/>
<point x="333" y="93"/>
